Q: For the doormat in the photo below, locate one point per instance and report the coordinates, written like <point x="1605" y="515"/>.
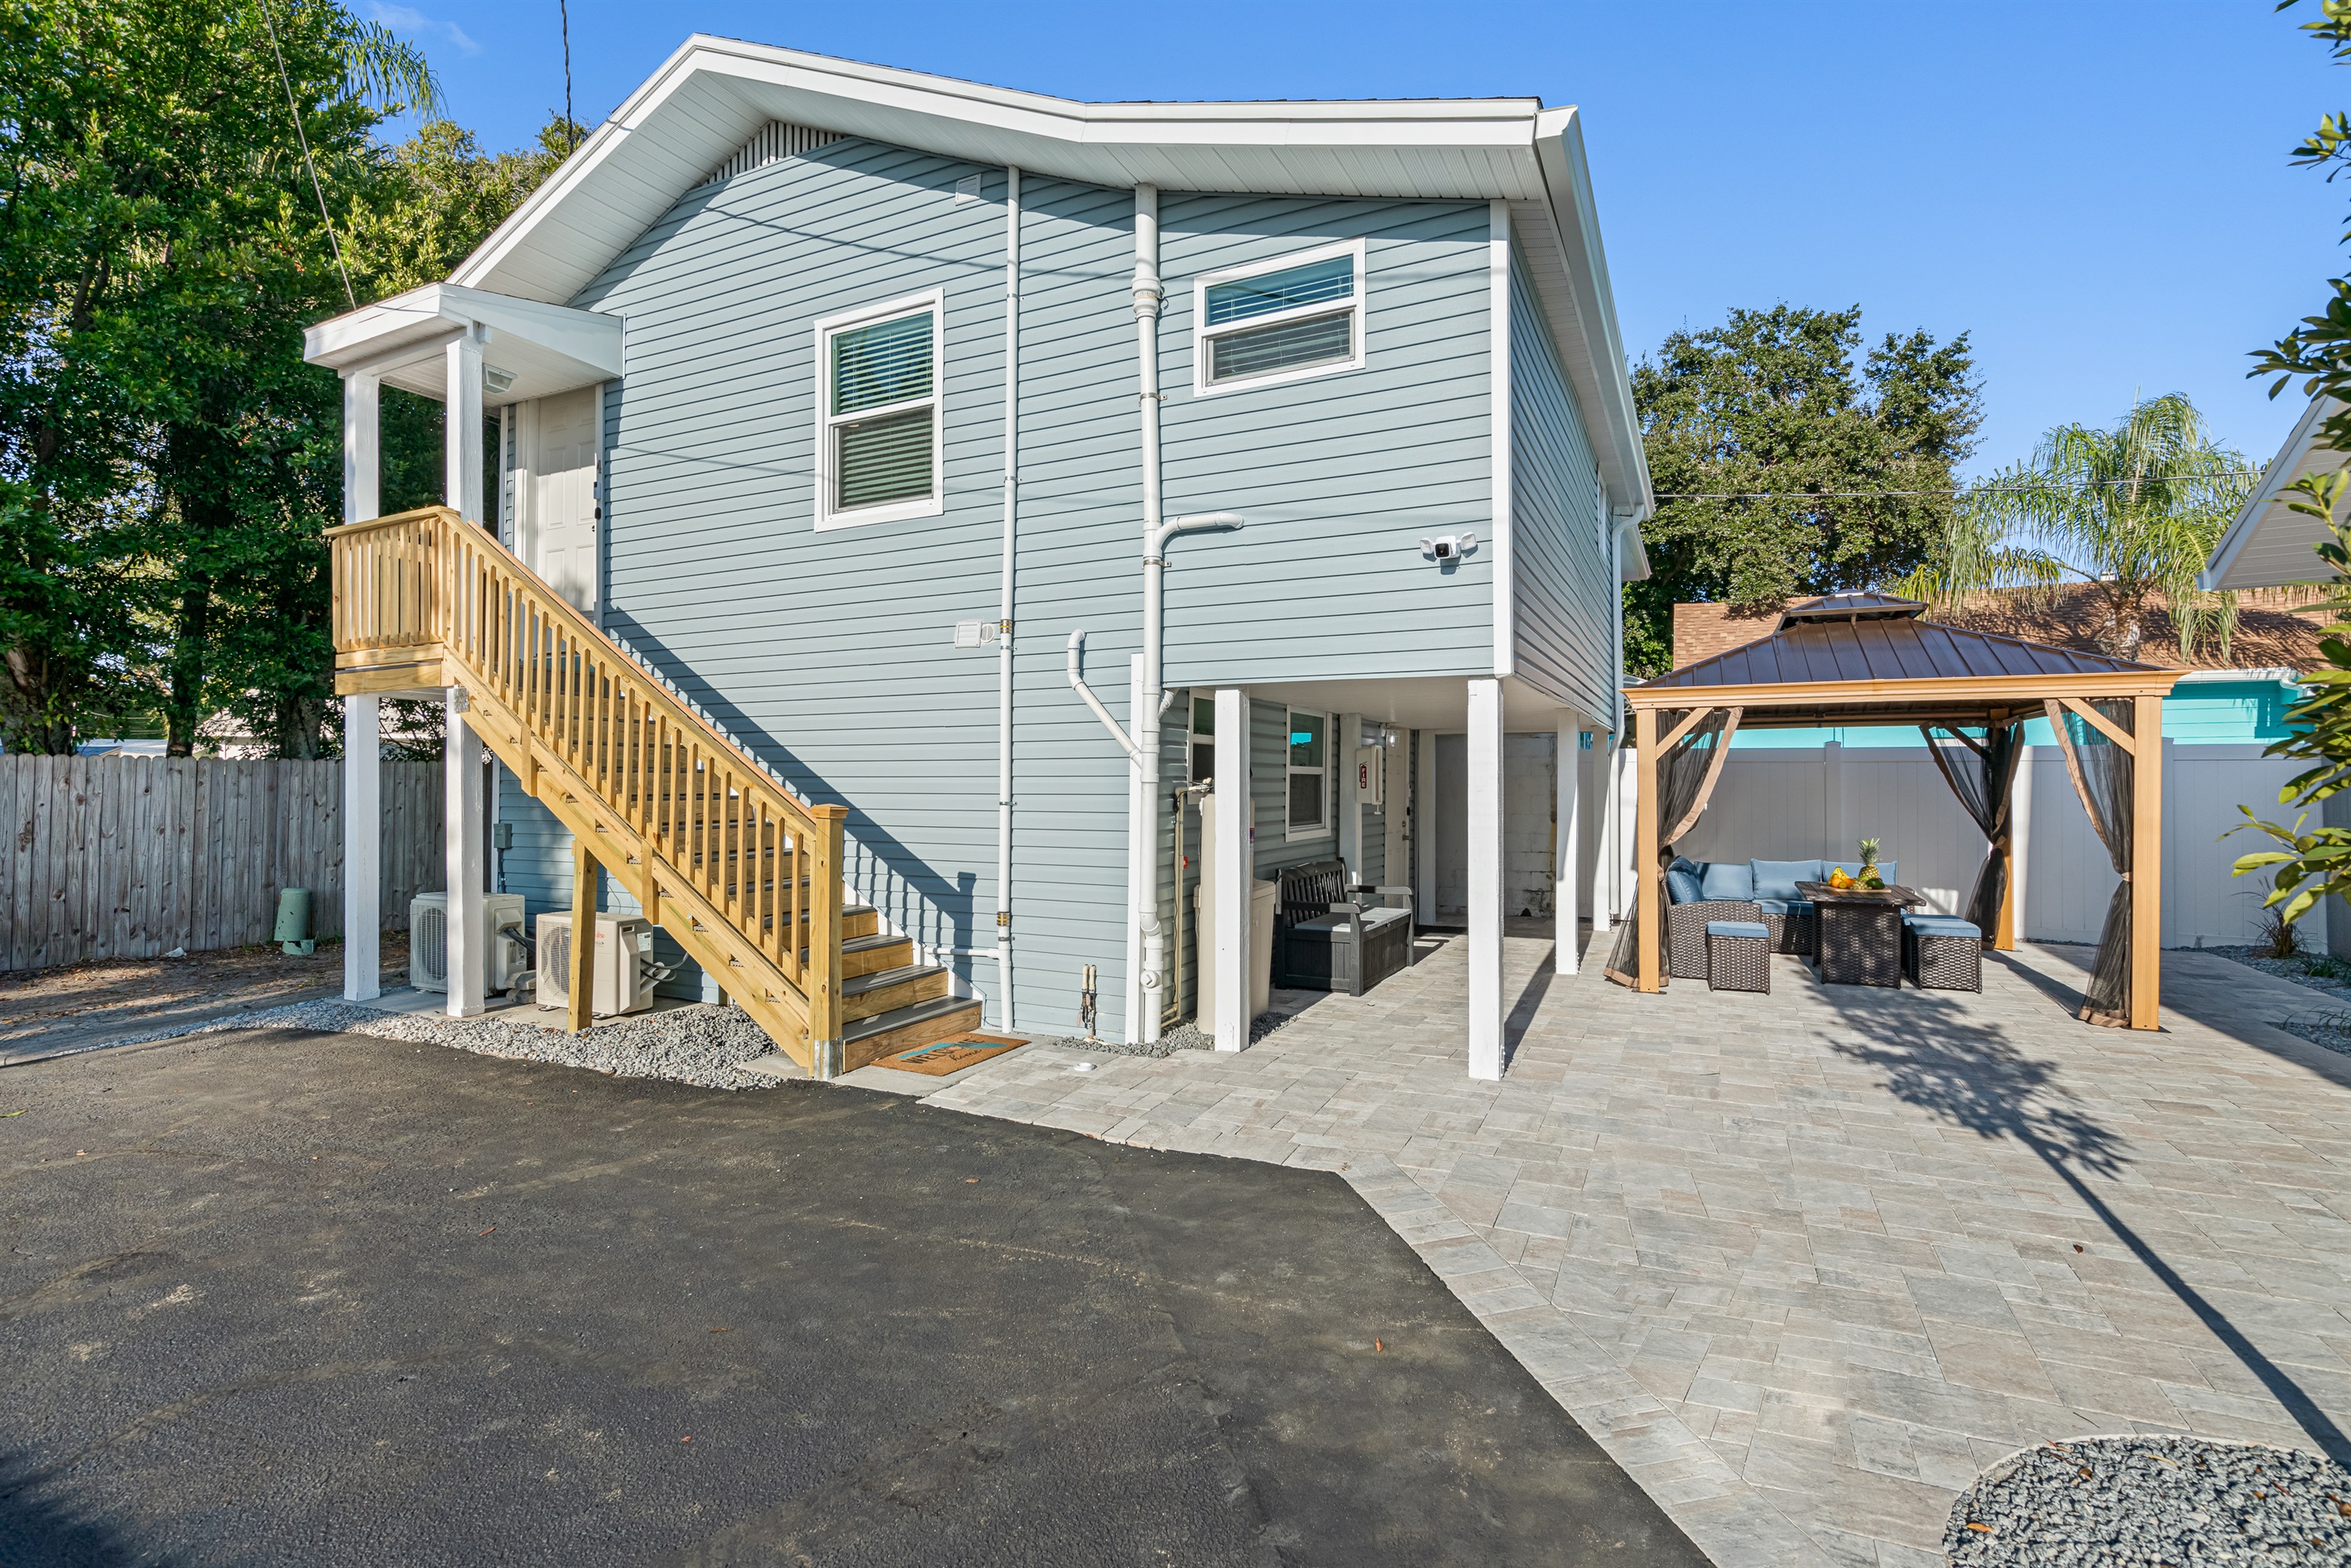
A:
<point x="950" y="1055"/>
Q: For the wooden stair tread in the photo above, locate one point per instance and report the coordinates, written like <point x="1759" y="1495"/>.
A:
<point x="912" y="1013"/>
<point x="858" y="984"/>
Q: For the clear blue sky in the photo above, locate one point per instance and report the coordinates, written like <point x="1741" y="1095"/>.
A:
<point x="2096" y="192"/>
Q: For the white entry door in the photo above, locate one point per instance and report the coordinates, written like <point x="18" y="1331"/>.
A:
<point x="560" y="439"/>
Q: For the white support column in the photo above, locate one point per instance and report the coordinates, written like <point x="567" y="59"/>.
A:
<point x="461" y="820"/>
<point x="1565" y="905"/>
<point x="362" y="851"/>
<point x="1485" y="854"/>
<point x="1603" y="832"/>
<point x="461" y="482"/>
<point x="1234" y="871"/>
<point x="362" y="777"/>
<point x="461" y="750"/>
<point x="1345" y="743"/>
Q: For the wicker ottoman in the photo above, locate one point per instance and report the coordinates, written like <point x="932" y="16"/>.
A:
<point x="1738" y="956"/>
<point x="1942" y="953"/>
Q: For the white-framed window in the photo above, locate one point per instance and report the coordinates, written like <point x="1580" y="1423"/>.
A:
<point x="1310" y="775"/>
<point x="1202" y="739"/>
<point x="1275" y="321"/>
<point x="878" y="441"/>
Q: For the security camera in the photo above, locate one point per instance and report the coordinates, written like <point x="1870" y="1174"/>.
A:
<point x="1446" y="549"/>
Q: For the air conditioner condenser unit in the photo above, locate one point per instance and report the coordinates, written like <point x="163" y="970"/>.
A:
<point x="624" y="964"/>
<point x="428" y="941"/>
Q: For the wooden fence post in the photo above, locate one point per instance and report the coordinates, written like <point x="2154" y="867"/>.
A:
<point x="581" y="995"/>
<point x="824" y="941"/>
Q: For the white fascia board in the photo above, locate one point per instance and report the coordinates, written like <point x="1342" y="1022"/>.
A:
<point x="2262" y="513"/>
<point x="692" y="112"/>
<point x="1604" y="385"/>
<point x="2278" y="673"/>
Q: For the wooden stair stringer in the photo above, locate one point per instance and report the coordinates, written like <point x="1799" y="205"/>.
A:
<point x="755" y="984"/>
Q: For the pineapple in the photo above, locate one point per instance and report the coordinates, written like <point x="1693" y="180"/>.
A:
<point x="1869" y="877"/>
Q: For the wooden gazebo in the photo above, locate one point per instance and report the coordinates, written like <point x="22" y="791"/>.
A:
<point x="1872" y="659"/>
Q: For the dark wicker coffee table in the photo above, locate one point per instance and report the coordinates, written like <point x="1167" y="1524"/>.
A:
<point x="1860" y="933"/>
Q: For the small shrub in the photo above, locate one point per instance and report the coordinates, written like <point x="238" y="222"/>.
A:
<point x="2327" y="967"/>
<point x="2274" y="937"/>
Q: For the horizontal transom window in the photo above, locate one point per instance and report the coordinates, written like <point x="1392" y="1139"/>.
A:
<point x="1275" y="321"/>
<point x="878" y="441"/>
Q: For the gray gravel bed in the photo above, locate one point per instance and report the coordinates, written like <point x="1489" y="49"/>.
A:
<point x="705" y="1046"/>
<point x="2134" y="1502"/>
<point x="2325" y="1026"/>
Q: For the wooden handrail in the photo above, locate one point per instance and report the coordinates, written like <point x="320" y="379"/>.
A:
<point x="764" y="865"/>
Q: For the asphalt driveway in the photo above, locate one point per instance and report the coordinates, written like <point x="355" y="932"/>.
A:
<point x="280" y="1297"/>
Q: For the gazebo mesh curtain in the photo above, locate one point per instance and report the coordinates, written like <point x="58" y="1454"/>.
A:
<point x="1983" y="776"/>
<point x="1681" y="774"/>
<point x="2102" y="775"/>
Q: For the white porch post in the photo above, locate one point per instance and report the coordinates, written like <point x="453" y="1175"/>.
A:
<point x="461" y="825"/>
<point x="460" y="485"/>
<point x="1603" y="871"/>
<point x="1564" y="903"/>
<point x="1346" y="743"/>
<point x="362" y="778"/>
<point x="461" y="748"/>
<point x="1485" y="868"/>
<point x="1234" y="872"/>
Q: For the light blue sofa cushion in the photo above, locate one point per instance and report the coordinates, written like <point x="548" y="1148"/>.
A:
<point x="1750" y="929"/>
<point x="1778" y="879"/>
<point x="1942" y="925"/>
<point x="1783" y="906"/>
<point x="1683" y="886"/>
<point x="1728" y="879"/>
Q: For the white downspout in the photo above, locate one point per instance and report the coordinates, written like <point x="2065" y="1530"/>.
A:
<point x="1004" y="594"/>
<point x="1144" y="929"/>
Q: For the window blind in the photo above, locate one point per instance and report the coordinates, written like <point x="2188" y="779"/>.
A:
<point x="1284" y="346"/>
<point x="887" y="362"/>
<point x="1313" y="283"/>
<point x="887" y="458"/>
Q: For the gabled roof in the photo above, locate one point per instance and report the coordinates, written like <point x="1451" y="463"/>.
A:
<point x="714" y="94"/>
<point x="2269" y="543"/>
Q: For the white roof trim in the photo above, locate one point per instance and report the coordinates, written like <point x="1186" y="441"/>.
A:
<point x="548" y="347"/>
<point x="714" y="93"/>
<point x="2269" y="543"/>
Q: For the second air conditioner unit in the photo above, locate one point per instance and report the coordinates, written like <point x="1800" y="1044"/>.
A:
<point x="624" y="961"/>
<point x="428" y="941"/>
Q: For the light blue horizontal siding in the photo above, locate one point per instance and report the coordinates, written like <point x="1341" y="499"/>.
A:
<point x="1563" y="597"/>
<point x="1341" y="475"/>
<point x="829" y="654"/>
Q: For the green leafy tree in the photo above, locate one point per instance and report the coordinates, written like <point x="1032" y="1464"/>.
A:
<point x="2311" y="864"/>
<point x="1788" y="462"/>
<point x="160" y="249"/>
<point x="2132" y="512"/>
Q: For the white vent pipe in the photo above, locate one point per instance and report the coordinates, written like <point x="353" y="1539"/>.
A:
<point x="1004" y="595"/>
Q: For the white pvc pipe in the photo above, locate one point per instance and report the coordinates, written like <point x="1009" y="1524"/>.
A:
<point x="1145" y="931"/>
<point x="1003" y="953"/>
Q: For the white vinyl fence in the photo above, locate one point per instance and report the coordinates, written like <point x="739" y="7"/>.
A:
<point x="1798" y="802"/>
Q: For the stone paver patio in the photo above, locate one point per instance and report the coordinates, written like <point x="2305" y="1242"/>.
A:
<point x="1805" y="1264"/>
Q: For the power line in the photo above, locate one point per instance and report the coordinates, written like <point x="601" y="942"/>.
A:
<point x="333" y="242"/>
<point x="1949" y="489"/>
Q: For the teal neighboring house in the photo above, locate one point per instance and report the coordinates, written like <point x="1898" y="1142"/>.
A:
<point x="2232" y="699"/>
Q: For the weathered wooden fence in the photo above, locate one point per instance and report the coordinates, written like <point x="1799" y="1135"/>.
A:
<point x="129" y="857"/>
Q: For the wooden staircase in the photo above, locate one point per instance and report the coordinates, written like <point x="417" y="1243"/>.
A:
<point x="744" y="875"/>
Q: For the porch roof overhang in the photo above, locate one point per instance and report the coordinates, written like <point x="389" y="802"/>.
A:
<point x="543" y="347"/>
<point x="1857" y="659"/>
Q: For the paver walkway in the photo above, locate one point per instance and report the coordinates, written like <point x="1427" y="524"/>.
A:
<point x="1806" y="1263"/>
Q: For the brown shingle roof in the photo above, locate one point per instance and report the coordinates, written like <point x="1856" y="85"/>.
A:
<point x="1889" y="649"/>
<point x="2273" y="632"/>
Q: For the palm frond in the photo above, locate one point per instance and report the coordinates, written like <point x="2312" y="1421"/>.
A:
<point x="378" y="65"/>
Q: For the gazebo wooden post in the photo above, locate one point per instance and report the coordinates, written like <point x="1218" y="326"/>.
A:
<point x="2146" y="860"/>
<point x="1649" y="886"/>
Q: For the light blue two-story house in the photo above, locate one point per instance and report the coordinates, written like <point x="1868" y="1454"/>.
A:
<point x="841" y="400"/>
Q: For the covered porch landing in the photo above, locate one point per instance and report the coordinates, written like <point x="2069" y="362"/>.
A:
<point x="1442" y="786"/>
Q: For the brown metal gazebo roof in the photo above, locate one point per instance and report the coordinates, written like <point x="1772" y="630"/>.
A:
<point x="1872" y="651"/>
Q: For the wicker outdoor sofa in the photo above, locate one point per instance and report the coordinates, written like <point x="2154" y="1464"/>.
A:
<point x="1763" y="891"/>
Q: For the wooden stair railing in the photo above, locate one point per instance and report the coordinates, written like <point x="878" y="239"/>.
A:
<point x="747" y="878"/>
